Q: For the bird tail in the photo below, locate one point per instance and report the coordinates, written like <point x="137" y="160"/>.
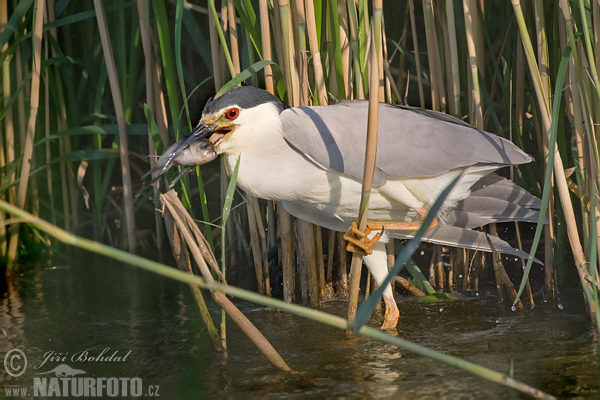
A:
<point x="493" y="199"/>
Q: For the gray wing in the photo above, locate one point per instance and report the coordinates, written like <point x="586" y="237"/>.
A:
<point x="412" y="142"/>
<point x="465" y="238"/>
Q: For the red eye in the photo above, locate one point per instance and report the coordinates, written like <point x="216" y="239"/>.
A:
<point x="232" y="113"/>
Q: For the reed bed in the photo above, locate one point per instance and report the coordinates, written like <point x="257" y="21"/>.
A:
<point x="89" y="90"/>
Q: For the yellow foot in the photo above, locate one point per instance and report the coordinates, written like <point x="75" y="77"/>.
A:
<point x="390" y="319"/>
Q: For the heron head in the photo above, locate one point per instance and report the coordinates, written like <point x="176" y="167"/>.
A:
<point x="224" y="115"/>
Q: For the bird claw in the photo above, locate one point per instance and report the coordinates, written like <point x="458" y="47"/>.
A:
<point x="359" y="242"/>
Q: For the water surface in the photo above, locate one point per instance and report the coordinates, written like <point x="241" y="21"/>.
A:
<point x="92" y="304"/>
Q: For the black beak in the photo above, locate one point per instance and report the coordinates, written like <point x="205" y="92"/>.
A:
<point x="199" y="132"/>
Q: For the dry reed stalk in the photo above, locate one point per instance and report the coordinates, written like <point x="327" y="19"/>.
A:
<point x="560" y="179"/>
<point x="359" y="90"/>
<point x="342" y="278"/>
<point x="304" y="88"/>
<point x="271" y="225"/>
<point x="29" y="139"/>
<point x="391" y="258"/>
<point x="215" y="50"/>
<point x="435" y="74"/>
<point x="519" y="85"/>
<point x="287" y="255"/>
<point x="546" y="87"/>
<point x="72" y="187"/>
<point x="146" y="38"/>
<point x="431" y="277"/>
<point x="284" y="227"/>
<point x="470" y="15"/>
<point x="307" y="260"/>
<point x="498" y="278"/>
<point x="384" y="70"/>
<point x="306" y="249"/>
<point x="7" y="146"/>
<point x="241" y="241"/>
<point x="596" y="23"/>
<point x="230" y="229"/>
<point x="266" y="44"/>
<point x="233" y="37"/>
<point x="260" y="226"/>
<point x="324" y="290"/>
<point x="454" y="79"/>
<point x="69" y="189"/>
<point x="256" y="250"/>
<point x="277" y="33"/>
<point x="270" y="87"/>
<point x="502" y="278"/>
<point x="22" y="71"/>
<point x="403" y="72"/>
<point x="439" y="265"/>
<point x="299" y="18"/>
<point x="187" y="225"/>
<point x="370" y="156"/>
<point x="405" y="283"/>
<point x="529" y="293"/>
<point x="47" y="122"/>
<point x="118" y="104"/>
<point x="413" y="25"/>
<point x="451" y="273"/>
<point x="330" y="255"/>
<point x="478" y="8"/>
<point x="287" y="40"/>
<point x="343" y="35"/>
<point x="311" y="30"/>
<point x="8" y="130"/>
<point x="182" y="258"/>
<point x="225" y="54"/>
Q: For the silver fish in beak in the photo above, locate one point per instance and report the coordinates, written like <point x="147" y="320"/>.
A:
<point x="199" y="152"/>
<point x="175" y="151"/>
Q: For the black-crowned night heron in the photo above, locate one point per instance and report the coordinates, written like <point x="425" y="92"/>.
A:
<point x="312" y="159"/>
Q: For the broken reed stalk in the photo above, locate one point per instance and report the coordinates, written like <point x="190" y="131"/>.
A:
<point x="502" y="278"/>
<point x="370" y="158"/>
<point x="187" y="225"/>
<point x="182" y="258"/>
<point x="405" y="283"/>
